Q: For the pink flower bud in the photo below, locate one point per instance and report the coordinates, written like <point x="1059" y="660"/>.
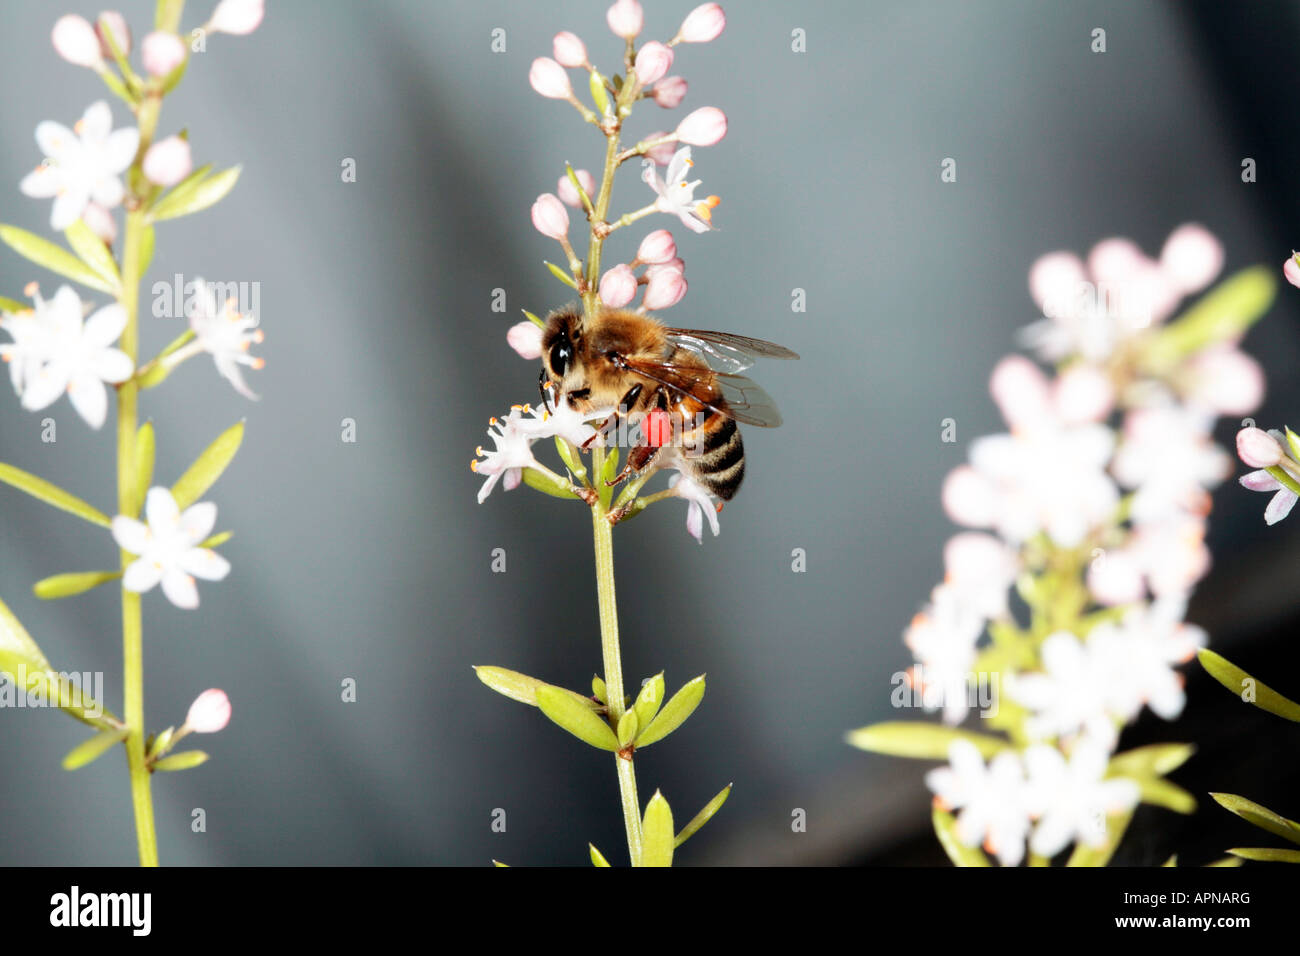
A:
<point x="550" y="217"/>
<point x="75" y="40"/>
<point x="121" y="31"/>
<point x="1083" y="393"/>
<point x="569" y="196"/>
<point x="238" y="17"/>
<point x="657" y="248"/>
<point x="1291" y="269"/>
<point x="1191" y="258"/>
<point x="625" y="18"/>
<point x="704" y="127"/>
<point x="1020" y="390"/>
<point x="669" y="92"/>
<point x="663" y="153"/>
<point x="618" y="286"/>
<point x="569" y="50"/>
<point x="673" y="264"/>
<point x="664" y="290"/>
<point x="702" y="24"/>
<point x="209" y="713"/>
<point x="1258" y="448"/>
<point x="1055" y="282"/>
<point x="526" y="339"/>
<point x="100" y="221"/>
<point x="548" y="78"/>
<point x="168" y="161"/>
<point x="162" y="53"/>
<point x="653" y="61"/>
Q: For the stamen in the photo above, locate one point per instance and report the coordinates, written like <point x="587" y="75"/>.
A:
<point x="473" y="466"/>
<point x="259" y="363"/>
<point x="31" y="288"/>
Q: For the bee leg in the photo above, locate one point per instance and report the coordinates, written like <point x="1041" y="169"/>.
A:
<point x="638" y="460"/>
<point x="543" y="386"/>
<point x="605" y="428"/>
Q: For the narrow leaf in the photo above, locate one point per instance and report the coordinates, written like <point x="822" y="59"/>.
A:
<point x="627" y="725"/>
<point x="185" y="760"/>
<point x="35" y="678"/>
<point x="704" y="816"/>
<point x="597" y="858"/>
<point x="144" y="462"/>
<point x="1153" y="760"/>
<point x="598" y="689"/>
<point x="52" y="495"/>
<point x="95" y="747"/>
<point x="144" y="257"/>
<point x="52" y="257"/>
<point x="1246" y="687"/>
<point x="1226" y="861"/>
<point x="196" y="197"/>
<point x="561" y="274"/>
<point x="1267" y="854"/>
<point x="1260" y="816"/>
<point x="657" y="840"/>
<point x="945" y="828"/>
<point x="13" y="306"/>
<point x="924" y="741"/>
<point x="67" y="585"/>
<point x="1161" y="793"/>
<point x="549" y="484"/>
<point x="207" y="468"/>
<point x="93" y="252"/>
<point x="217" y="540"/>
<point x="674" y="713"/>
<point x="15" y="640"/>
<point x="559" y="705"/>
<point x="649" y="699"/>
<point x="521" y="687"/>
<point x="1222" y="315"/>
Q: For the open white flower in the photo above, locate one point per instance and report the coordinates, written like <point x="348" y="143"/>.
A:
<point x="1071" y="693"/>
<point x="28" y="349"/>
<point x="676" y="194"/>
<point x="942" y="638"/>
<point x="699" y="505"/>
<point x="224" y="333"/>
<point x="1072" y="800"/>
<point x="59" y="351"/>
<point x="993" y="800"/>
<point x="81" y="164"/>
<point x="167" y="548"/>
<point x="512" y="454"/>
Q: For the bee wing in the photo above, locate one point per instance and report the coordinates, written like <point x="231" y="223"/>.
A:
<point x="725" y="351"/>
<point x="742" y="398"/>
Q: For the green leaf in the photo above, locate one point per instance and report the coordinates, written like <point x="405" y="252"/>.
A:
<point x="550" y="484"/>
<point x="598" y="689"/>
<point x="523" y="688"/>
<point x="561" y="274"/>
<point x="167" y="15"/>
<point x="119" y="88"/>
<point x="194" y="195"/>
<point x="1284" y="478"/>
<point x="156" y="370"/>
<point x="207" y="468"/>
<point x="55" y="258"/>
<point x="217" y="540"/>
<point x="1267" y="854"/>
<point x="1172" y="861"/>
<point x="160" y="744"/>
<point x="597" y="858"/>
<point x="572" y="460"/>
<point x="93" y="252"/>
<point x="1085" y="855"/>
<point x="559" y="705"/>
<point x="144" y="462"/>
<point x="15" y="641"/>
<point x="66" y="585"/>
<point x="1223" y="314"/>
<point x="95" y="747"/>
<point x="674" y="713"/>
<point x="533" y="319"/>
<point x="1152" y="760"/>
<point x="627" y="727"/>
<point x="903" y="738"/>
<point x="1260" y="816"/>
<point x="1240" y="683"/>
<point x="1161" y="793"/>
<point x="504" y="866"/>
<point x="185" y="760"/>
<point x="578" y="188"/>
<point x="32" y="674"/>
<point x="52" y="495"/>
<point x="704" y="816"/>
<point x="1225" y="861"/>
<point x="144" y="257"/>
<point x="12" y="306"/>
<point x="657" y="840"/>
<point x="945" y="828"/>
<point x="599" y="95"/>
<point x="649" y="699"/>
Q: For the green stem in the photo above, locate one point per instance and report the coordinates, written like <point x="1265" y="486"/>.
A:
<point x="613" y="658"/>
<point x="132" y="625"/>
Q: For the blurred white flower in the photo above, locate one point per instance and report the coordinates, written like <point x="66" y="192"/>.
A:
<point x="1169" y="456"/>
<point x="980" y="569"/>
<point x="942" y="638"/>
<point x="1072" y="800"/>
<point x="992" y="800"/>
<point x="167" y="548"/>
<point x="81" y="166"/>
<point x="224" y="333"/>
<point x="1070" y="693"/>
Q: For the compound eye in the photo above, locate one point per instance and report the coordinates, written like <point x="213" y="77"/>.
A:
<point x="561" y="356"/>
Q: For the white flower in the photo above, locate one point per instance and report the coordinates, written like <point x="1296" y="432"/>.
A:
<point x="942" y="638"/>
<point x="225" y="334"/>
<point x="699" y="505"/>
<point x="1072" y="800"/>
<point x="81" y="166"/>
<point x="1168" y="556"/>
<point x="1141" y="652"/>
<point x="1280" y="505"/>
<point x="1071" y="693"/>
<point x="676" y="195"/>
<point x="55" y="351"/>
<point x="514" y="435"/>
<point x="167" y="548"/>
<point x="562" y="419"/>
<point x="981" y="569"/>
<point x="1169" y="456"/>
<point x="992" y="800"/>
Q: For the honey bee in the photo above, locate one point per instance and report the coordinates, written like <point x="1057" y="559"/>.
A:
<point x="683" y="382"/>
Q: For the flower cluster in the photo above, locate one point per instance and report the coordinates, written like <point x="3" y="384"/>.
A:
<point x="656" y="272"/>
<point x="1091" y="509"/>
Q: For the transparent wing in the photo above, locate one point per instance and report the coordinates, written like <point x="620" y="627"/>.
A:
<point x="735" y="396"/>
<point x="725" y="351"/>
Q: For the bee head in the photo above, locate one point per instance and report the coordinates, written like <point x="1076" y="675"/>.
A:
<point x="559" y="343"/>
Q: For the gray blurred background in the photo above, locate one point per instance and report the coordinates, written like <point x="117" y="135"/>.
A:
<point x="372" y="560"/>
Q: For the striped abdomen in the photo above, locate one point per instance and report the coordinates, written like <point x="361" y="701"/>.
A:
<point x="721" y="464"/>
